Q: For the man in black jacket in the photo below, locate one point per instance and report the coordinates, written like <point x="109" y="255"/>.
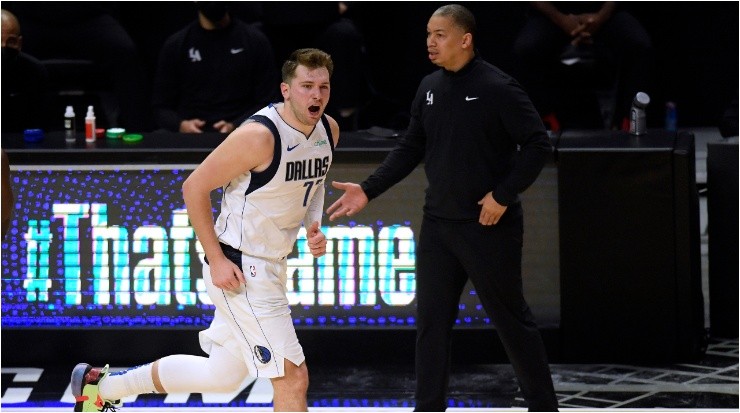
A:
<point x="483" y="143"/>
<point x="213" y="74"/>
<point x="26" y="97"/>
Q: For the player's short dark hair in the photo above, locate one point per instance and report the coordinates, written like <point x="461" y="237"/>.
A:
<point x="311" y="58"/>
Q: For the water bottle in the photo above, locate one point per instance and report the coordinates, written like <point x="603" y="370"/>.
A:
<point x="638" y="123"/>
<point x="671" y="117"/>
<point x="70" y="131"/>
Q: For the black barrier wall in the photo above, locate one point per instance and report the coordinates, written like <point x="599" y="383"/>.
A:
<point x="722" y="209"/>
<point x="629" y="247"/>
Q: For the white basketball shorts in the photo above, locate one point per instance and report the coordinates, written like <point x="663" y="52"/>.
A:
<point x="254" y="323"/>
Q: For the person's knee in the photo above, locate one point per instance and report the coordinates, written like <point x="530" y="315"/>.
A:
<point x="299" y="377"/>
<point x="295" y="380"/>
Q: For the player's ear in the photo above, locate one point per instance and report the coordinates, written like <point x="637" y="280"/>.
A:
<point x="284" y="89"/>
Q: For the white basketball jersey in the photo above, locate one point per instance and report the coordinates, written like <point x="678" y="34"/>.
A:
<point x="261" y="212"/>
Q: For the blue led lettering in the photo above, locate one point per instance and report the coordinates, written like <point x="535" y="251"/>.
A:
<point x="70" y="215"/>
<point x="181" y="235"/>
<point x="396" y="267"/>
<point x="102" y="237"/>
<point x="360" y="268"/>
<point x="353" y="264"/>
<point x="152" y="275"/>
<point x="37" y="282"/>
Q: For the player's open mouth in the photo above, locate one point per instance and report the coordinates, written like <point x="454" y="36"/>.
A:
<point x="314" y="109"/>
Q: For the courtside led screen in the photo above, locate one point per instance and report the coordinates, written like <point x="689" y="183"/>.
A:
<point x="112" y="246"/>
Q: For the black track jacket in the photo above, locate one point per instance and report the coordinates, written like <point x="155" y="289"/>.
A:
<point x="477" y="131"/>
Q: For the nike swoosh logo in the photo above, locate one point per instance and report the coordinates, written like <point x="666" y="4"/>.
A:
<point x="290" y="148"/>
<point x="235" y="51"/>
<point x="467" y="99"/>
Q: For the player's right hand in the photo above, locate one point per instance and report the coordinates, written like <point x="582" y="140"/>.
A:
<point x="225" y="274"/>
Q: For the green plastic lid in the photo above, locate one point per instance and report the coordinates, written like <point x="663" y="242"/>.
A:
<point x="132" y="137"/>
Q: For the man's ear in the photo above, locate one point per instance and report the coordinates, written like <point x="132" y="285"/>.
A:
<point x="467" y="40"/>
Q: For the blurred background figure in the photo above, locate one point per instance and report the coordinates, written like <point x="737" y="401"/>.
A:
<point x="328" y="26"/>
<point x="214" y="73"/>
<point x="600" y="36"/>
<point x="728" y="125"/>
<point x="25" y="82"/>
<point x="84" y="47"/>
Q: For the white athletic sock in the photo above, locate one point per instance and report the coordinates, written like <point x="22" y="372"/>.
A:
<point x="136" y="380"/>
<point x="219" y="373"/>
<point x="179" y="373"/>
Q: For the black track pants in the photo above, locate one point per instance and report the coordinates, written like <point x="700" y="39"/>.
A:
<point x="448" y="254"/>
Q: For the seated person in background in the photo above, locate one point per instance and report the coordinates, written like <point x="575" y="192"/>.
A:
<point x="213" y="74"/>
<point x="88" y="30"/>
<point x="25" y="83"/>
<point x="552" y="26"/>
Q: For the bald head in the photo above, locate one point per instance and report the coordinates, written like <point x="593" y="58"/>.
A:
<point x="11" y="30"/>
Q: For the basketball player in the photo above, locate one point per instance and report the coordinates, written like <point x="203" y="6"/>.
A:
<point x="483" y="143"/>
<point x="272" y="171"/>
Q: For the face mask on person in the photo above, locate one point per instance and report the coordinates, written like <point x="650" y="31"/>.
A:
<point x="10" y="53"/>
<point x="214" y="11"/>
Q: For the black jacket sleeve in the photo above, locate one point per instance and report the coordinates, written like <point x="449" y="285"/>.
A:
<point x="165" y="93"/>
<point x="523" y="123"/>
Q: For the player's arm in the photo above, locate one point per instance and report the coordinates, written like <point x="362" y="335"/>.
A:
<point x="248" y="148"/>
<point x="314" y="213"/>
<point x="316" y="205"/>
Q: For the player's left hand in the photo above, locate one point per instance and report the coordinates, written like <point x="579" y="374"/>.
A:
<point x="316" y="240"/>
<point x="491" y="210"/>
